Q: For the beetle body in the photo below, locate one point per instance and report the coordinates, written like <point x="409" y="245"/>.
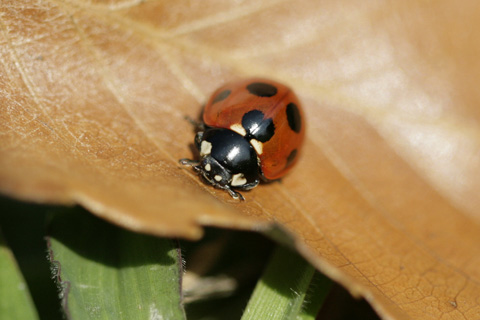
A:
<point x="253" y="129"/>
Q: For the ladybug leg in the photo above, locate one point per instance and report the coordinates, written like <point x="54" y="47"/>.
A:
<point x="198" y="139"/>
<point x="249" y="186"/>
<point x="188" y="162"/>
<point x="199" y="126"/>
<point x="234" y="194"/>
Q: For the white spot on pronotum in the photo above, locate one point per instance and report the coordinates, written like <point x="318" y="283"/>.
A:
<point x="257" y="145"/>
<point x="154" y="314"/>
<point x="208" y="167"/>
<point x="237" y="127"/>
<point x="205" y="148"/>
<point x="218" y="178"/>
<point x="238" y="179"/>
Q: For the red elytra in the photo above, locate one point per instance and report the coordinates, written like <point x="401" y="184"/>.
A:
<point x="279" y="151"/>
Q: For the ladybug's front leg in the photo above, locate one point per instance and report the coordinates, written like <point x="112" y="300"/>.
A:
<point x="234" y="194"/>
<point x="189" y="162"/>
<point x="192" y="163"/>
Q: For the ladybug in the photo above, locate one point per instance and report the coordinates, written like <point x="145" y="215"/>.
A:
<point x="252" y="129"/>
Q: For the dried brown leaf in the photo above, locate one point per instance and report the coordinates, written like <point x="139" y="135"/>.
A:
<point x="385" y="196"/>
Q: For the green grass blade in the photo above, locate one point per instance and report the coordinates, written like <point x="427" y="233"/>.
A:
<point x="15" y="300"/>
<point x="281" y="292"/>
<point x="105" y="272"/>
<point x="316" y="294"/>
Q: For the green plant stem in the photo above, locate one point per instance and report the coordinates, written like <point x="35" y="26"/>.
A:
<point x="15" y="300"/>
<point x="287" y="290"/>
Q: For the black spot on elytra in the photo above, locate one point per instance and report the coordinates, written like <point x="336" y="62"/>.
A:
<point x="221" y="96"/>
<point x="262" y="89"/>
<point x="293" y="117"/>
<point x="257" y="127"/>
<point x="291" y="157"/>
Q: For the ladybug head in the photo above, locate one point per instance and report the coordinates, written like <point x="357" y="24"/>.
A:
<point x="214" y="172"/>
<point x="227" y="159"/>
